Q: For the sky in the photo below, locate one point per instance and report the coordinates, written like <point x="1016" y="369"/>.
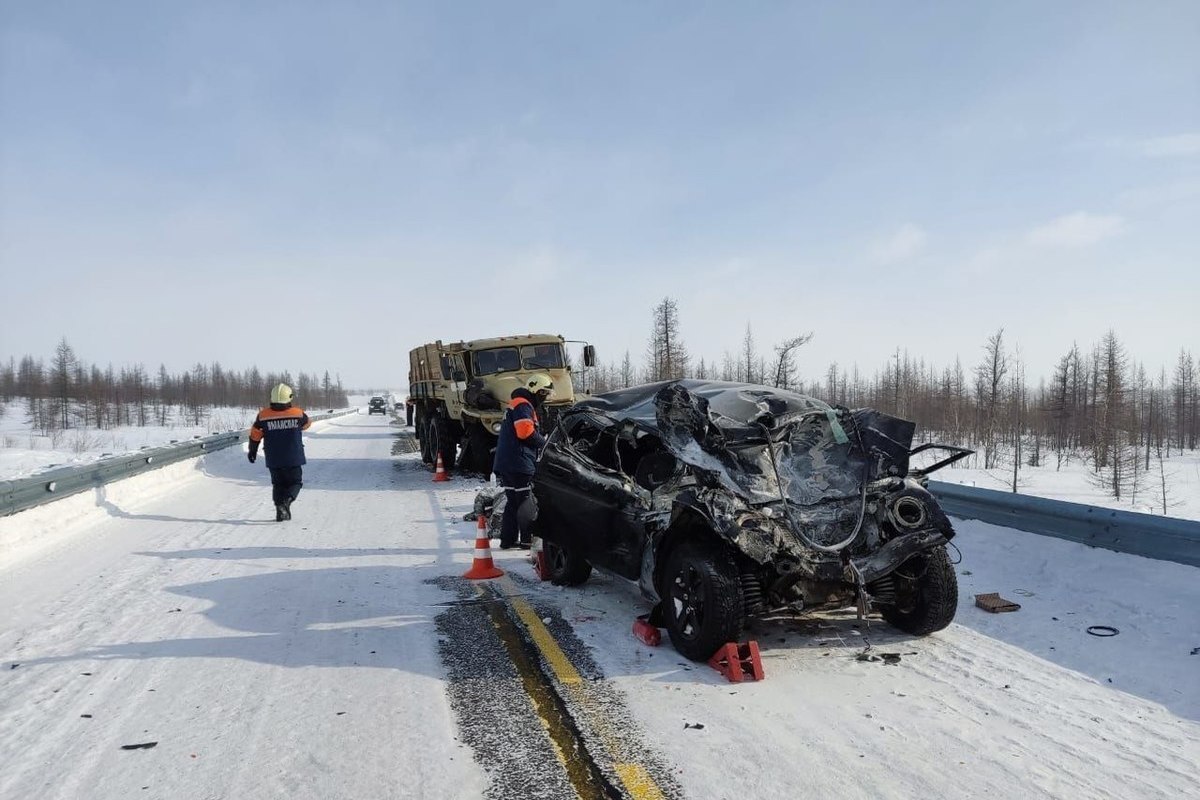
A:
<point x="322" y="186"/>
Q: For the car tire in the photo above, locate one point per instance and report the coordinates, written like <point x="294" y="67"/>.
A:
<point x="926" y="602"/>
<point x="565" y="566"/>
<point x="701" y="599"/>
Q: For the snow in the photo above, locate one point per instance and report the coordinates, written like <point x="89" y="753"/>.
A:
<point x="1075" y="483"/>
<point x="301" y="659"/>
<point x="24" y="452"/>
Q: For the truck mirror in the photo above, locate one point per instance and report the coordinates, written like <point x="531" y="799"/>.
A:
<point x="589" y="356"/>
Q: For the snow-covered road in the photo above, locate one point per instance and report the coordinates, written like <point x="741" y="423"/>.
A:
<point x="337" y="656"/>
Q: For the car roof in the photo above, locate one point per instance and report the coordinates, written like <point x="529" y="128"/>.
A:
<point x="738" y="402"/>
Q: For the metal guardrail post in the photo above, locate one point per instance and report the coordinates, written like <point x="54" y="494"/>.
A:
<point x="46" y="487"/>
<point x="1163" y="538"/>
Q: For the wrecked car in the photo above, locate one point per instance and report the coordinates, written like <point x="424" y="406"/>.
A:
<point x="726" y="501"/>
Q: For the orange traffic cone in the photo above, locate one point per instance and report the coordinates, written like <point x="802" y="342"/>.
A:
<point x="439" y="474"/>
<point x="482" y="566"/>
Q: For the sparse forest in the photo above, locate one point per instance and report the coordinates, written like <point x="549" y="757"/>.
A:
<point x="69" y="393"/>
<point x="1100" y="406"/>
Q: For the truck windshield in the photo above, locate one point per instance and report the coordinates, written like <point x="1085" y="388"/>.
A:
<point x="509" y="359"/>
<point x="542" y="356"/>
<point x="502" y="359"/>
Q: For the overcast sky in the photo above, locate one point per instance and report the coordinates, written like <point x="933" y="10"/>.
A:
<point x="324" y="185"/>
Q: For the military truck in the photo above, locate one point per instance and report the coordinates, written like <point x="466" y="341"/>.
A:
<point x="459" y="392"/>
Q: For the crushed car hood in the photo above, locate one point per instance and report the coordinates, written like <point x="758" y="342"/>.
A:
<point x="764" y="444"/>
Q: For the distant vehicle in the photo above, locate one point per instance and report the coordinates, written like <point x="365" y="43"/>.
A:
<point x="727" y="501"/>
<point x="459" y="392"/>
<point x="377" y="404"/>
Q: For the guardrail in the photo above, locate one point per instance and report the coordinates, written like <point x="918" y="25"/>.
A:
<point x="1163" y="538"/>
<point x="55" y="484"/>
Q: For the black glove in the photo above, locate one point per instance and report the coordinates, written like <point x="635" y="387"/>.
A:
<point x="251" y="456"/>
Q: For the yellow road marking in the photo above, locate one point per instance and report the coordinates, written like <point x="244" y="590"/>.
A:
<point x="638" y="782"/>
<point x="634" y="777"/>
<point x="564" y="670"/>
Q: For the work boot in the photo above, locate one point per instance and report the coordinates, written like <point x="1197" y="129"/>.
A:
<point x="280" y="513"/>
<point x="287" y="509"/>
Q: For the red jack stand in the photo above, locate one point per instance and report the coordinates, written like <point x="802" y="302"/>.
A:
<point x="646" y="633"/>
<point x="540" y="567"/>
<point x="738" y="661"/>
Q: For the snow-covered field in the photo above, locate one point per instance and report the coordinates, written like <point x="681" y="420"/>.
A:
<point x="1076" y="483"/>
<point x="301" y="660"/>
<point x="24" y="452"/>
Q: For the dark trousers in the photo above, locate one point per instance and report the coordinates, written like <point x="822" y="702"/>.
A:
<point x="512" y="502"/>
<point x="286" y="483"/>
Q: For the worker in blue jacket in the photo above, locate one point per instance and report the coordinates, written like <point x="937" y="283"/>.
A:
<point x="517" y="451"/>
<point x="278" y="428"/>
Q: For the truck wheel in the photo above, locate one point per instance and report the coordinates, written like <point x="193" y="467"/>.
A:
<point x="926" y="594"/>
<point x="477" y="452"/>
<point x="567" y="567"/>
<point x="702" y="599"/>
<point x="422" y="431"/>
<point x="440" y="442"/>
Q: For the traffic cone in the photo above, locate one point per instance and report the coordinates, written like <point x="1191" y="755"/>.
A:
<point x="482" y="566"/>
<point x="439" y="474"/>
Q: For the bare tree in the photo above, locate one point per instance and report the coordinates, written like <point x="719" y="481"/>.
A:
<point x="666" y="356"/>
<point x="62" y="383"/>
<point x="785" y="359"/>
<point x="989" y="389"/>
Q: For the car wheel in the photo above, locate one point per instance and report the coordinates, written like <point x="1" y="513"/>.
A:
<point x="926" y="594"/>
<point x="566" y="567"/>
<point x="701" y="599"/>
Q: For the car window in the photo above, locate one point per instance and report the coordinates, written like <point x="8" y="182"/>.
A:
<point x="593" y="441"/>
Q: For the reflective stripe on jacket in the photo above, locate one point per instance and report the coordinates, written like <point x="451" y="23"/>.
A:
<point x="278" y="427"/>
<point x="519" y="441"/>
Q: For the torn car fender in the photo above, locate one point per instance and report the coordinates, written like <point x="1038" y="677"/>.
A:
<point x="887" y="558"/>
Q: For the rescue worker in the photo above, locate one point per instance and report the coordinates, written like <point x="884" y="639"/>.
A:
<point x="517" y="451"/>
<point x="278" y="428"/>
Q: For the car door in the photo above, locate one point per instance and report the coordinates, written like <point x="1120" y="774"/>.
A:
<point x="584" y="505"/>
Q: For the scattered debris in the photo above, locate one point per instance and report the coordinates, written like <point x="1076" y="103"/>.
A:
<point x="696" y="725"/>
<point x="993" y="603"/>
<point x="86" y="716"/>
<point x="1103" y="631"/>
<point x="886" y="658"/>
<point x="1025" y="593"/>
<point x="142" y="746"/>
<point x="86" y="673"/>
<point x="965" y="572"/>
<point x="1195" y="652"/>
<point x="173" y="610"/>
<point x="340" y="713"/>
<point x="14" y="666"/>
